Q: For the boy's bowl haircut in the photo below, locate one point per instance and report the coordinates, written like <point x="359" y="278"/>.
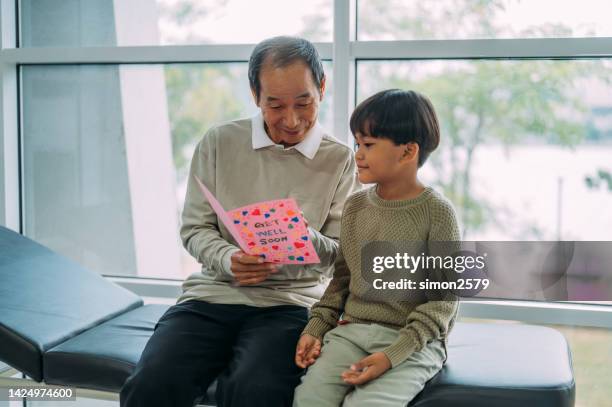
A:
<point x="403" y="116"/>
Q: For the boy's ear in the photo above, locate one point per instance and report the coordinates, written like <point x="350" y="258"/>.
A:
<point x="411" y="152"/>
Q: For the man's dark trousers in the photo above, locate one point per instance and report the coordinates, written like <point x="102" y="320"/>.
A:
<point x="250" y="350"/>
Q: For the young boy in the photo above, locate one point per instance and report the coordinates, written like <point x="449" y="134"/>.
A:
<point x="382" y="352"/>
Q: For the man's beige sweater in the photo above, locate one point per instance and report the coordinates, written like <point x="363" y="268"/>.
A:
<point x="238" y="175"/>
<point x="368" y="218"/>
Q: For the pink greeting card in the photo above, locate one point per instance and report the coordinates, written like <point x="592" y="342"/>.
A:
<point x="274" y="230"/>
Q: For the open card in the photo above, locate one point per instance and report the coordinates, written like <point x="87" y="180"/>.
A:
<point x="274" y="230"/>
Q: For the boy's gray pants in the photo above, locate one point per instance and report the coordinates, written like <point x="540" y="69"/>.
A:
<point x="347" y="344"/>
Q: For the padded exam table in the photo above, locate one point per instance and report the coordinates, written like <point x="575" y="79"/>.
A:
<point x="64" y="325"/>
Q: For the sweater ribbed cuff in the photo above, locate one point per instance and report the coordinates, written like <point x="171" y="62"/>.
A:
<point x="401" y="349"/>
<point x="325" y="246"/>
<point x="317" y="328"/>
<point x="226" y="261"/>
<point x="314" y="238"/>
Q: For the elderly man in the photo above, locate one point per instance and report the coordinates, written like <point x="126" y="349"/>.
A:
<point x="239" y="319"/>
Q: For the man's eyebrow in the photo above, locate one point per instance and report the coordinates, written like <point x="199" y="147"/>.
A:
<point x="303" y="95"/>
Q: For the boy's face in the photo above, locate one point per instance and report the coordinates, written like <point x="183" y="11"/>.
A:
<point x="379" y="160"/>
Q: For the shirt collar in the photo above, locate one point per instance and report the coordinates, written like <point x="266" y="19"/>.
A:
<point x="307" y="147"/>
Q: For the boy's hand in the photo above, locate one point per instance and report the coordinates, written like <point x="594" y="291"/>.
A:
<point x="307" y="351"/>
<point x="367" y="369"/>
<point x="249" y="270"/>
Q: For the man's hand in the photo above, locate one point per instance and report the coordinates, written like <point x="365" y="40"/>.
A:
<point x="307" y="351"/>
<point x="367" y="369"/>
<point x="249" y="270"/>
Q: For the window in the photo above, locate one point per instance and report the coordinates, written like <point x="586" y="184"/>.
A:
<point x="524" y="144"/>
<point x="105" y="185"/>
<point x="72" y="23"/>
<point x="471" y="19"/>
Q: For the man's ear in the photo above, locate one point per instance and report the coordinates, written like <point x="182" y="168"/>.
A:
<point x="411" y="152"/>
<point x="322" y="90"/>
<point x="255" y="98"/>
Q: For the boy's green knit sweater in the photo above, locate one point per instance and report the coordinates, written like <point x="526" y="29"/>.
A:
<point x="367" y="218"/>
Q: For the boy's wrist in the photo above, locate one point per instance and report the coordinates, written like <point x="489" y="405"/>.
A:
<point x="317" y="327"/>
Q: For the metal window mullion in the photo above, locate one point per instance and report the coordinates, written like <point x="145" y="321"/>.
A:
<point x="140" y="54"/>
<point x="9" y="137"/>
<point x="343" y="67"/>
<point x="344" y="50"/>
<point x="489" y="48"/>
<point x="568" y="314"/>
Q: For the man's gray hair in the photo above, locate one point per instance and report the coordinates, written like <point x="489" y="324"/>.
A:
<point x="281" y="52"/>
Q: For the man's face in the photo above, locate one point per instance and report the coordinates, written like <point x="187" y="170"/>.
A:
<point x="289" y="102"/>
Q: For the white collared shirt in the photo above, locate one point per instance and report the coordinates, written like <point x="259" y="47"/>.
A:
<point x="307" y="147"/>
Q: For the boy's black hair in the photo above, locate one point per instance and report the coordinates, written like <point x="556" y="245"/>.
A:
<point x="403" y="116"/>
